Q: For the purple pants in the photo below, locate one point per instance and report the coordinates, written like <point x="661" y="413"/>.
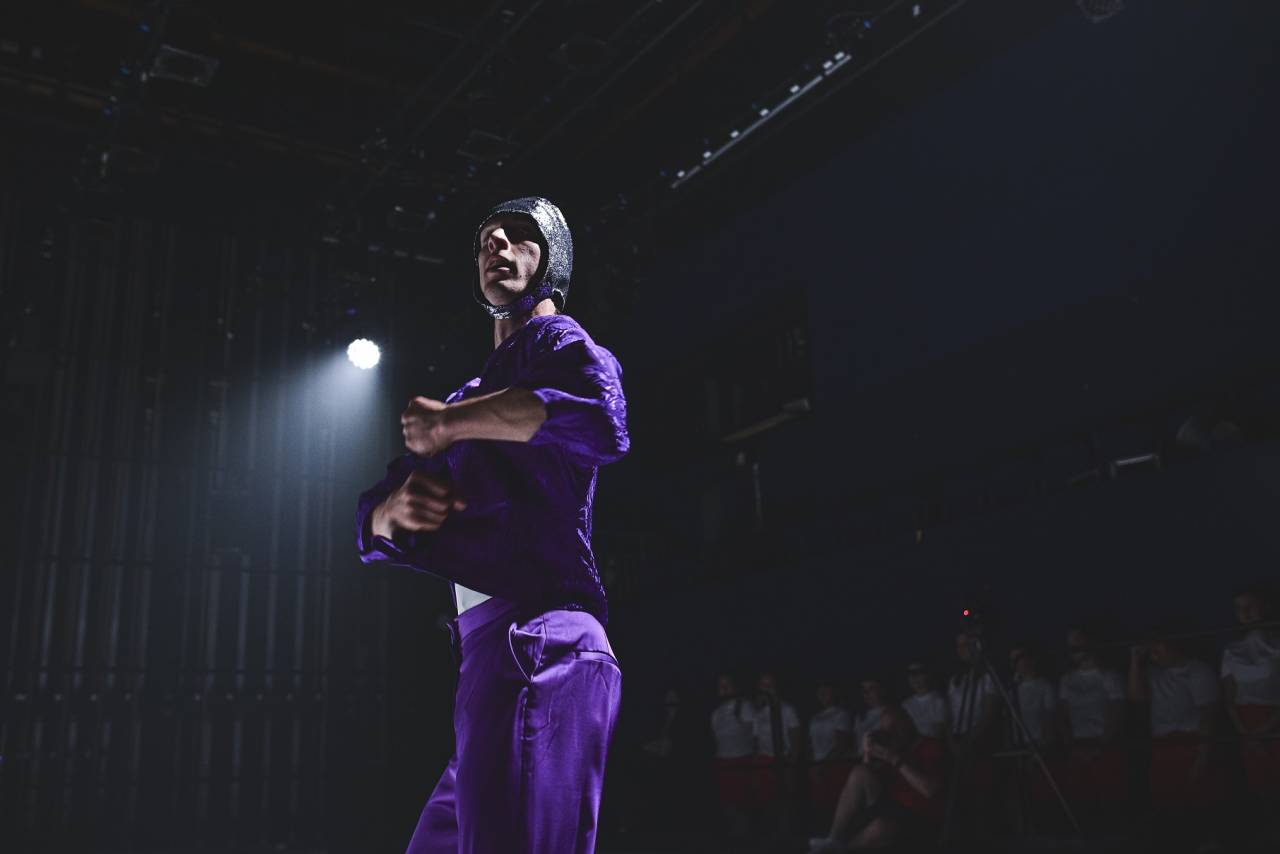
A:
<point x="535" y="710"/>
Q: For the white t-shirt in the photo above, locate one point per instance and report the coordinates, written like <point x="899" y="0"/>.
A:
<point x="823" y="727"/>
<point x="1177" y="693"/>
<point x="464" y="597"/>
<point x="1254" y="663"/>
<point x="734" y="729"/>
<point x="967" y="703"/>
<point x="1036" y="698"/>
<point x="928" y="712"/>
<point x="1086" y="694"/>
<point x="764" y="729"/>
<point x="866" y="722"/>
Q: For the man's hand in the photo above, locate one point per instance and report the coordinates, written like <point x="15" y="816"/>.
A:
<point x="424" y="428"/>
<point x="422" y="503"/>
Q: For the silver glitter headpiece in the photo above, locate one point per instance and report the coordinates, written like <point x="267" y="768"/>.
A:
<point x="552" y="278"/>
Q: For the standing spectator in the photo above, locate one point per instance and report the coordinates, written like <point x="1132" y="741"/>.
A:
<point x="1182" y="693"/>
<point x="973" y="699"/>
<point x="926" y="705"/>
<point x="671" y="764"/>
<point x="1251" y="684"/>
<point x="733" y="727"/>
<point x="831" y="745"/>
<point x="1036" y="700"/>
<point x="893" y="798"/>
<point x="872" y="705"/>
<point x="1036" y="696"/>
<point x="776" y="802"/>
<point x="971" y="693"/>
<point x="1092" y="702"/>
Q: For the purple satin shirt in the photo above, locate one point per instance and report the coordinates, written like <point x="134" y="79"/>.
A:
<point x="525" y="535"/>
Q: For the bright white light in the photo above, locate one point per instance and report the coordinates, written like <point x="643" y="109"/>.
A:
<point x="363" y="353"/>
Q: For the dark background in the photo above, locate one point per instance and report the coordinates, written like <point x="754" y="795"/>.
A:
<point x="1000" y="250"/>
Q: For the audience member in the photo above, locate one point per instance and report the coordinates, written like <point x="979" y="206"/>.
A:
<point x="872" y="705"/>
<point x="1251" y="685"/>
<point x="1092" y="714"/>
<point x="971" y="694"/>
<point x="733" y="728"/>
<point x="778" y="802"/>
<point x="1036" y="698"/>
<point x="893" y="798"/>
<point x="1182" y="697"/>
<point x="926" y="705"/>
<point x="831" y="746"/>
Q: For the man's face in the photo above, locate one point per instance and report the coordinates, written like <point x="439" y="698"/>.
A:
<point x="725" y="687"/>
<point x="510" y="252"/>
<point x="872" y="694"/>
<point x="1077" y="646"/>
<point x="964" y="647"/>
<point x="1022" y="663"/>
<point x="1248" y="609"/>
<point x="918" y="680"/>
<point x="825" y="695"/>
<point x="766" y="684"/>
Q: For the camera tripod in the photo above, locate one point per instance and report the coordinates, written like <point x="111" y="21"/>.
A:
<point x="981" y="670"/>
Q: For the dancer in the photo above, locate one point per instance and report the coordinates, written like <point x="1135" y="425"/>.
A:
<point x="495" y="496"/>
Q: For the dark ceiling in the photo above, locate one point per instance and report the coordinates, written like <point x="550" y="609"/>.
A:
<point x="386" y="124"/>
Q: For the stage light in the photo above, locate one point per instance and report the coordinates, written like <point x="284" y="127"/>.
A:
<point x="363" y="353"/>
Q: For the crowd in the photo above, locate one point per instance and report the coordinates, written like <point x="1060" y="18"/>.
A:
<point x="1136" y="738"/>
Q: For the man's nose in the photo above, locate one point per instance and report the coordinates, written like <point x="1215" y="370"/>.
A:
<point x="497" y="239"/>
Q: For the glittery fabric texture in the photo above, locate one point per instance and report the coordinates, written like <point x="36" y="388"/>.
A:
<point x="557" y="266"/>
<point x="525" y="535"/>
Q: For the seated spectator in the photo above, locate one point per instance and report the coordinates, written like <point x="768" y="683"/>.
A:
<point x="1251" y="685"/>
<point x="1092" y="701"/>
<point x="1182" y="695"/>
<point x="1036" y="696"/>
<point x="872" y="705"/>
<point x="733" y="728"/>
<point x="894" y="797"/>
<point x="831" y="745"/>
<point x="926" y="705"/>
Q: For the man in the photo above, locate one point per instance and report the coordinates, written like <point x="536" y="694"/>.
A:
<point x="1037" y="698"/>
<point x="495" y="496"/>
<point x="776" y="804"/>
<point x="926" y="705"/>
<point x="831" y="746"/>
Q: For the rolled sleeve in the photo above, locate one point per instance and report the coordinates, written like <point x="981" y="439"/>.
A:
<point x="580" y="384"/>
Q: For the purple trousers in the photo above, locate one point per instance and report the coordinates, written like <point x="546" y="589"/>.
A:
<point x="533" y="717"/>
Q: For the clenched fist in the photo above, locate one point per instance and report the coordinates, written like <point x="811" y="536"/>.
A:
<point x="422" y="503"/>
<point x="422" y="424"/>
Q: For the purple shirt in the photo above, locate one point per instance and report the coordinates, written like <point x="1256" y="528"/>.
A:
<point x="525" y="535"/>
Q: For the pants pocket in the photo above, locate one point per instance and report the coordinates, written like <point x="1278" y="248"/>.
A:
<point x="527" y="646"/>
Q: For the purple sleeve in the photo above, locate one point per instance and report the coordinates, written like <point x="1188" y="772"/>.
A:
<point x="580" y="384"/>
<point x="466" y="550"/>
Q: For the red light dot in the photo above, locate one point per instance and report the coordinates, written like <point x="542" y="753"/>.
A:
<point x="966" y="612"/>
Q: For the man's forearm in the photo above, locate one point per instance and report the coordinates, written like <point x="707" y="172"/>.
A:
<point x="512" y="415"/>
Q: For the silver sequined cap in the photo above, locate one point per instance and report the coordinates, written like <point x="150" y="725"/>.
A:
<point x="557" y="262"/>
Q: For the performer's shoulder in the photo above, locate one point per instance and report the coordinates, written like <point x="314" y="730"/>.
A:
<point x="556" y="330"/>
